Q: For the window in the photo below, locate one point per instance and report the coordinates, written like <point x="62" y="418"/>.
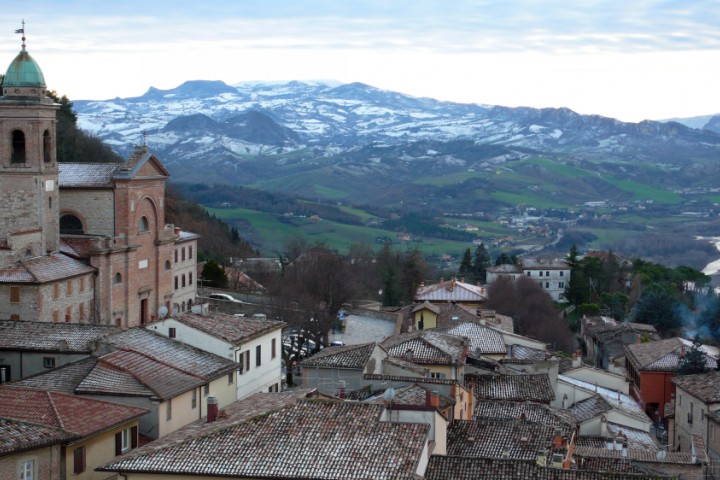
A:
<point x="82" y="311"/>
<point x="167" y="265"/>
<point x="176" y="283"/>
<point x="562" y="274"/>
<point x="547" y="274"/>
<point x="258" y="355"/>
<point x="189" y="252"/>
<point x="273" y="353"/>
<point x="47" y="149"/>
<point x="176" y="255"/>
<point x="56" y="291"/>
<point x="230" y="378"/>
<point x="79" y="460"/>
<point x="70" y="224"/>
<point x="193" y="399"/>
<point x="561" y="285"/>
<point x="117" y="279"/>
<point x="69" y="288"/>
<point x="437" y="375"/>
<point x="541" y="274"/>
<point x="143" y="224"/>
<point x="14" y="294"/>
<point x="172" y="332"/>
<point x="182" y="254"/>
<point x="18" y="147"/>
<point x="547" y="284"/>
<point x="49" y="362"/>
<point x="529" y="274"/>
<point x="207" y="389"/>
<point x="190" y="278"/>
<point x="68" y="314"/>
<point x="183" y="280"/>
<point x="168" y="409"/>
<point x="247" y="360"/>
<point x="82" y="284"/>
<point x="56" y="316"/>
<point x="27" y="470"/>
<point x="126" y="439"/>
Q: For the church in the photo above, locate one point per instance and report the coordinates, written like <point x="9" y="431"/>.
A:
<point x="82" y="242"/>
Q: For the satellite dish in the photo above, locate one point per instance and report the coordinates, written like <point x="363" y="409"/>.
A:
<point x="389" y="394"/>
<point x="162" y="311"/>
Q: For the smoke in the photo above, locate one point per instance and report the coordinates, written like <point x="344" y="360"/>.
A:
<point x="701" y="321"/>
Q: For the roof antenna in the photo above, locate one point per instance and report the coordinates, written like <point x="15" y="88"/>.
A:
<point x="22" y="31"/>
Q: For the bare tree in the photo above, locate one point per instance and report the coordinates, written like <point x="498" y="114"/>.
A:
<point x="532" y="310"/>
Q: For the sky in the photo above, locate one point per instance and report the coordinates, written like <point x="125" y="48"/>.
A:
<point x="627" y="59"/>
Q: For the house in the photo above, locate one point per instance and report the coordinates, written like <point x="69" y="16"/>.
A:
<point x="184" y="271"/>
<point x="141" y="368"/>
<point x="696" y="396"/>
<point x="427" y="315"/>
<point x="29" y="450"/>
<point x="552" y="274"/>
<point x="254" y="343"/>
<point x="29" y="348"/>
<point x="605" y="340"/>
<point x="79" y="243"/>
<point x="98" y="431"/>
<point x="713" y="442"/>
<point x="443" y="354"/>
<point x="452" y="291"/>
<point x="342" y="368"/>
<point x="651" y="367"/>
<point x="534" y="412"/>
<point x="310" y="439"/>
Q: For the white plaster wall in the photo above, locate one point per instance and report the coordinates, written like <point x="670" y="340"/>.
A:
<point x="601" y="378"/>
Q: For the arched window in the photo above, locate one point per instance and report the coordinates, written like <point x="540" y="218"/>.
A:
<point x="47" y="157"/>
<point x="117" y="279"/>
<point x="71" y="225"/>
<point x="167" y="266"/>
<point x="143" y="225"/>
<point x="18" y="147"/>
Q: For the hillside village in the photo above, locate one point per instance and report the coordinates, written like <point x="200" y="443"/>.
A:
<point x="112" y="365"/>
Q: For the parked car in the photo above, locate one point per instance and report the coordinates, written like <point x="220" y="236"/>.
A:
<point x="337" y="343"/>
<point x="224" y="296"/>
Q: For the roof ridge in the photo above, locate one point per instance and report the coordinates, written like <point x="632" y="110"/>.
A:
<point x="125" y="370"/>
<point x="55" y="410"/>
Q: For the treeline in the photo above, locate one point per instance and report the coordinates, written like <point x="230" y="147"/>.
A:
<point x="426" y="226"/>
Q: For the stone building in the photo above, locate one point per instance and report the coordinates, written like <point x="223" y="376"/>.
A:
<point x="84" y="243"/>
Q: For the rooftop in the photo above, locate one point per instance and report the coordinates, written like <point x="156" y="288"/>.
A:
<point x="48" y="268"/>
<point x="347" y="356"/>
<point x="534" y="388"/>
<point x="618" y="400"/>
<point x="16" y="435"/>
<point x="318" y="439"/>
<point x="532" y="412"/>
<point x="451" y="291"/>
<point x="426" y="347"/>
<point x="50" y="337"/>
<point x="664" y="355"/>
<point x="483" y="340"/>
<point x="235" y="330"/>
<point x="704" y="386"/>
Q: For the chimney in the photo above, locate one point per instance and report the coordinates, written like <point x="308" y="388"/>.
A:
<point x="557" y="438"/>
<point x="434" y="399"/>
<point x="541" y="458"/>
<point x="624" y="449"/>
<point x="177" y="230"/>
<point x="342" y="392"/>
<point x="428" y="398"/>
<point x="212" y="408"/>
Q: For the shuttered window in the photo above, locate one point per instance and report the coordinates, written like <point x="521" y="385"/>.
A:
<point x="79" y="460"/>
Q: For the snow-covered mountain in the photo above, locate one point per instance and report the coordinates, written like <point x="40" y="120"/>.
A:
<point x="302" y="124"/>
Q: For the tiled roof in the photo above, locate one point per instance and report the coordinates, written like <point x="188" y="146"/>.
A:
<point x="48" y="336"/>
<point x="483" y="340"/>
<point x="412" y="367"/>
<point x="62" y="379"/>
<point x="705" y="386"/>
<point x="464" y="468"/>
<point x="532" y="412"/>
<point x="521" y="352"/>
<point x="416" y="395"/>
<point x="604" y="464"/>
<point x="409" y="379"/>
<point x="534" y="388"/>
<point x="590" y="408"/>
<point x="48" y="268"/>
<point x="529" y="263"/>
<point x="106" y="378"/>
<point x="713" y="415"/>
<point x="78" y="415"/>
<point x="16" y="435"/>
<point x="637" y="439"/>
<point x="317" y="439"/>
<point x="87" y="175"/>
<point x="663" y="355"/>
<point x="451" y="291"/>
<point x="185" y="236"/>
<point x="426" y="347"/>
<point x="347" y="356"/>
<point x="426" y="306"/>
<point x="492" y="438"/>
<point x="177" y="355"/>
<point x="620" y="401"/>
<point x="505" y="268"/>
<point x="235" y="330"/>
<point x="639" y="454"/>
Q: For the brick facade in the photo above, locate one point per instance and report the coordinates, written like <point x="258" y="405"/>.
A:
<point x="47" y="464"/>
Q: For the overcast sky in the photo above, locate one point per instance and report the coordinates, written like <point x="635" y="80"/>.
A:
<point x="628" y="59"/>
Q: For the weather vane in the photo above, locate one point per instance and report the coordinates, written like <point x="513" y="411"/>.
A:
<point x="22" y="31"/>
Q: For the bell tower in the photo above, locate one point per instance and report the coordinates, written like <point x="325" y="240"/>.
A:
<point x="29" y="221"/>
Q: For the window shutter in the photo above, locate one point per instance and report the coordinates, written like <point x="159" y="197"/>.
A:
<point x="79" y="460"/>
<point x="134" y="437"/>
<point x="118" y="443"/>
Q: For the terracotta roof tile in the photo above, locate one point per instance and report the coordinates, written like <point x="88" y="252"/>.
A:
<point x="425" y="347"/>
<point x="532" y="412"/>
<point x="347" y="356"/>
<point x="16" y="435"/>
<point x="662" y="355"/>
<point x="615" y="398"/>
<point x="409" y="366"/>
<point x="79" y="415"/>
<point x="451" y="291"/>
<point x="48" y="268"/>
<point x="87" y="175"/>
<point x="590" y="408"/>
<point x="106" y="378"/>
<point x="235" y="330"/>
<point x="705" y="386"/>
<point x="311" y="439"/>
<point x="534" y="388"/>
<point x="48" y="336"/>
<point x="483" y="340"/>
<point x="62" y="379"/>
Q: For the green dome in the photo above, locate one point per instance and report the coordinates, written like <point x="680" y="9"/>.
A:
<point x="24" y="72"/>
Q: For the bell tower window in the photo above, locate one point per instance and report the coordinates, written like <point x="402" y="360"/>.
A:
<point x="46" y="147"/>
<point x="18" y="147"/>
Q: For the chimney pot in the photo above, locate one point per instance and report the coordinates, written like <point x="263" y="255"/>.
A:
<point x="212" y="408"/>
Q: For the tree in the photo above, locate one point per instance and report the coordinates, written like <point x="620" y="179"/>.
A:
<point x="466" y="264"/>
<point x="414" y="271"/>
<point x="659" y="308"/>
<point x="388" y="264"/>
<point x="532" y="310"/>
<point x="694" y="361"/>
<point x="504" y="259"/>
<point x="214" y="274"/>
<point x="481" y="263"/>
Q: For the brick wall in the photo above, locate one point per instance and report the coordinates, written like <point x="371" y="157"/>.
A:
<point x="47" y="464"/>
<point x="94" y="207"/>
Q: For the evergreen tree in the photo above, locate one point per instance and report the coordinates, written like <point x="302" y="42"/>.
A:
<point x="659" y="308"/>
<point x="466" y="267"/>
<point x="414" y="270"/>
<point x="214" y="274"/>
<point x="575" y="291"/>
<point x="694" y="361"/>
<point x="481" y="264"/>
<point x="504" y="259"/>
<point x="388" y="265"/>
